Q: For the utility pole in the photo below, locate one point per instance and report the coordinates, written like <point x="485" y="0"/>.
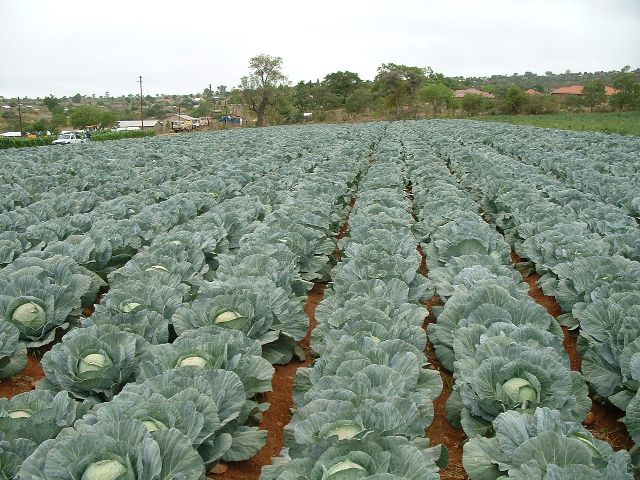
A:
<point x="20" y="116"/>
<point x="141" y="110"/>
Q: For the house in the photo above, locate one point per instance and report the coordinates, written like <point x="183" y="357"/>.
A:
<point x="563" y="92"/>
<point x="475" y="91"/>
<point x="136" y="124"/>
<point x="531" y="91"/>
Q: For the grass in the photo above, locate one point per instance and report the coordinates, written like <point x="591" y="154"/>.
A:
<point x="626" y="123"/>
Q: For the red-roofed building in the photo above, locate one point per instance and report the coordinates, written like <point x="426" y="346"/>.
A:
<point x="531" y="91"/>
<point x="563" y="92"/>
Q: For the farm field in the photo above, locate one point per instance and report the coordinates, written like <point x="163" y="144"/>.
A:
<point x="406" y="300"/>
<point x="625" y="123"/>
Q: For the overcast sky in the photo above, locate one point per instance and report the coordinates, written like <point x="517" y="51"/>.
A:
<point x="90" y="47"/>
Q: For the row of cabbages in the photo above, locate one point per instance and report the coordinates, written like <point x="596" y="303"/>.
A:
<point x="231" y="284"/>
<point x="514" y="395"/>
<point x="603" y="165"/>
<point x="363" y="407"/>
<point x="593" y="278"/>
<point x="97" y="195"/>
<point x="58" y="246"/>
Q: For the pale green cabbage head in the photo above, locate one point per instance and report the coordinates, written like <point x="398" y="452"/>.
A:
<point x="30" y="315"/>
<point x="227" y="316"/>
<point x="343" y="467"/>
<point x="193" y="361"/>
<point x="520" y="391"/>
<point x="93" y="362"/>
<point x="152" y="425"/>
<point x="104" y="470"/>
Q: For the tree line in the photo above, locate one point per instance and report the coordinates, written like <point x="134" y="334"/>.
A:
<point x="402" y="91"/>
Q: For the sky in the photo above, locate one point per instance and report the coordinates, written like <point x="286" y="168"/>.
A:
<point x="91" y="47"/>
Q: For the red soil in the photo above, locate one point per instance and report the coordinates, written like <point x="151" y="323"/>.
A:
<point x="25" y="380"/>
<point x="441" y="431"/>
<point x="279" y="413"/>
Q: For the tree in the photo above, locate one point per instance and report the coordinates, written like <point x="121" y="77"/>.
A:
<point x="77" y="98"/>
<point x="473" y="103"/>
<point x="514" y="100"/>
<point x="593" y="93"/>
<point x="438" y="95"/>
<point x="342" y="83"/>
<point x="91" y="115"/>
<point x="358" y="101"/>
<point x="628" y="94"/>
<point x="398" y="85"/>
<point x="259" y="89"/>
<point x="51" y="102"/>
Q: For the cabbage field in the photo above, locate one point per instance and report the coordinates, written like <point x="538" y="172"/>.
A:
<point x="417" y="300"/>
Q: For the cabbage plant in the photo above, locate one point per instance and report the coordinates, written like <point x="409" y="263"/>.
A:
<point x="40" y="296"/>
<point x="13" y="352"/>
<point x="161" y="292"/>
<point x="385" y="367"/>
<point x="234" y="413"/>
<point x="93" y="362"/>
<point x="541" y="445"/>
<point x="193" y="414"/>
<point x="486" y="303"/>
<point x="110" y="451"/>
<point x="587" y="279"/>
<point x="38" y="415"/>
<point x="467" y="270"/>
<point x="610" y="346"/>
<point x="255" y="306"/>
<point x="374" y="458"/>
<point x="213" y="347"/>
<point x="150" y="325"/>
<point x="507" y="374"/>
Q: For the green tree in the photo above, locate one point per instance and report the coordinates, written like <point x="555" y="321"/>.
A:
<point x="342" y="83"/>
<point x="157" y="110"/>
<point x="627" y="96"/>
<point x="540" y="104"/>
<point x="438" y="95"/>
<point x="91" y="115"/>
<point x="593" y="93"/>
<point x="359" y="101"/>
<point x="514" y="100"/>
<point x="51" y="102"/>
<point x="77" y="98"/>
<point x="473" y="103"/>
<point x="260" y="89"/>
<point x="398" y="85"/>
<point x="57" y="121"/>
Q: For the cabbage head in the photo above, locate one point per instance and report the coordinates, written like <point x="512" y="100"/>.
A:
<point x="234" y="412"/>
<point x="110" y="451"/>
<point x="540" y="445"/>
<point x="372" y="458"/>
<point x="505" y="374"/>
<point x="214" y="347"/>
<point x="93" y="362"/>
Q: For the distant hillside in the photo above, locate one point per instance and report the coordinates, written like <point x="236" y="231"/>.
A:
<point x="547" y="81"/>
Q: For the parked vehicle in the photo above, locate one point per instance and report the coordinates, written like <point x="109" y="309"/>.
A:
<point x="69" y="138"/>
